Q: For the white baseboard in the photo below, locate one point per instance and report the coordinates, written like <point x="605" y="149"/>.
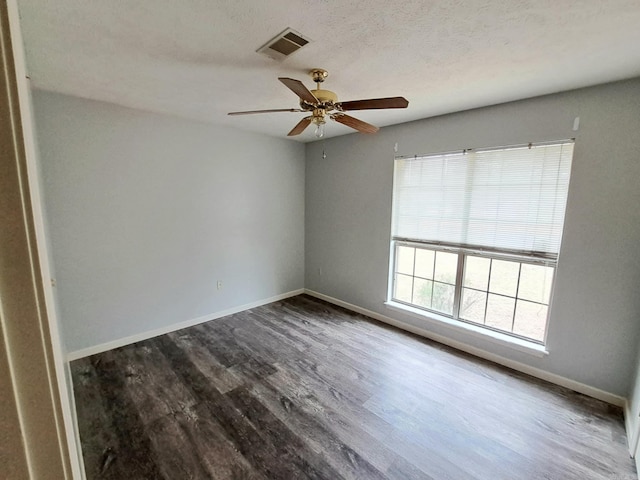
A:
<point x="630" y="428"/>
<point x="138" y="337"/>
<point x="521" y="367"/>
<point x="74" y="418"/>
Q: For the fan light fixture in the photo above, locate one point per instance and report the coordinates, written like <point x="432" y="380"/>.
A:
<point x="320" y="123"/>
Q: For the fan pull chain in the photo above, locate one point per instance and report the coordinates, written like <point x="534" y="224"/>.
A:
<point x="324" y="154"/>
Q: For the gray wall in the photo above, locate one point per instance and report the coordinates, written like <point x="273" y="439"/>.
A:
<point x="594" y="323"/>
<point x="147" y="212"/>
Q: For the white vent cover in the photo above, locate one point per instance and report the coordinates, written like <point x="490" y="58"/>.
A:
<point x="284" y="44"/>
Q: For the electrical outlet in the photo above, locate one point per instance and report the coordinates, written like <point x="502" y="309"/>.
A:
<point x="219" y="284"/>
<point x="320" y="272"/>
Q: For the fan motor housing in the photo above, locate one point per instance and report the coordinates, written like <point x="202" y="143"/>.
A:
<point x="325" y="96"/>
<point x="326" y="100"/>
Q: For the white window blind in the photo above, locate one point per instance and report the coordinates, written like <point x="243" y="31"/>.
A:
<point x="510" y="199"/>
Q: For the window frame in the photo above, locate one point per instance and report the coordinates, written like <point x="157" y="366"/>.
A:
<point x="462" y="252"/>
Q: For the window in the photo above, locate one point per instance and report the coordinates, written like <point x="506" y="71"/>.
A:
<point x="476" y="234"/>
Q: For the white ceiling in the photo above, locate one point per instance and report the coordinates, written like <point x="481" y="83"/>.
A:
<point x="197" y="58"/>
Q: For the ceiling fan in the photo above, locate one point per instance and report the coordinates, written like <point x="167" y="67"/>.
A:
<point x="324" y="103"/>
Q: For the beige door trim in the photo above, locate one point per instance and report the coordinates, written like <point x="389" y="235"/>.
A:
<point x="29" y="353"/>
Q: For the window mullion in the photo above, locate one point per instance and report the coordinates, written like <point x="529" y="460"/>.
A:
<point x="515" y="300"/>
<point x="486" y="302"/>
<point x="457" y="296"/>
<point x="413" y="275"/>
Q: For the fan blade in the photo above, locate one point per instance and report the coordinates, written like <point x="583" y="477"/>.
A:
<point x="362" y="127"/>
<point x="266" y="111"/>
<point x="297" y="87"/>
<point x="299" y="128"/>
<point x="374" y="104"/>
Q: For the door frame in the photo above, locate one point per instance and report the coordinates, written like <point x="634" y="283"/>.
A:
<point x="31" y="337"/>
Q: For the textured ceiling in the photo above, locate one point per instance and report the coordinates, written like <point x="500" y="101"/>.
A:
<point x="197" y="58"/>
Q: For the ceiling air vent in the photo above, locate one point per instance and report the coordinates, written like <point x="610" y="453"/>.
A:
<point x="283" y="45"/>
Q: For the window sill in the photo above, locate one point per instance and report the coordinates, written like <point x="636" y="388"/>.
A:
<point x="531" y="348"/>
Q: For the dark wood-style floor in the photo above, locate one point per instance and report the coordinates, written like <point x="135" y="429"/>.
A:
<point x="303" y="389"/>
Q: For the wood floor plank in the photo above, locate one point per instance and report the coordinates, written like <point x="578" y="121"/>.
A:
<point x="221" y="344"/>
<point x="337" y="416"/>
<point x="340" y="413"/>
<point x="134" y="454"/>
<point x="151" y="385"/>
<point x="278" y="434"/>
<point x="262" y="455"/>
<point x="343" y="458"/>
<point x="99" y="440"/>
<point x="220" y="376"/>
<point x="402" y="469"/>
<point x="288" y="324"/>
<point x="194" y="447"/>
<point x="170" y="434"/>
<point x="304" y="389"/>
